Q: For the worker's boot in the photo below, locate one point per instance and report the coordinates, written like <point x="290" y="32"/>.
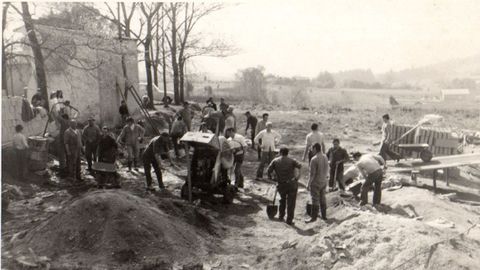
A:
<point x="314" y="214"/>
<point x="323" y="209"/>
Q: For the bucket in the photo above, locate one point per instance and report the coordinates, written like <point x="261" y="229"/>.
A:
<point x="38" y="157"/>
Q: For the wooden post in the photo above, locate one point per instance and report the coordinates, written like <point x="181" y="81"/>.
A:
<point x="189" y="175"/>
<point x="435" y="181"/>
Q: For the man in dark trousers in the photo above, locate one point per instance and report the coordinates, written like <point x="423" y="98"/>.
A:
<point x="337" y="157"/>
<point x="252" y="124"/>
<point x="73" y="148"/>
<point x="107" y="147"/>
<point x="318" y="182"/>
<point x="91" y="135"/>
<point x="387" y="139"/>
<point x="370" y="166"/>
<point x="123" y="110"/>
<point x="284" y="168"/>
<point x="159" y="146"/>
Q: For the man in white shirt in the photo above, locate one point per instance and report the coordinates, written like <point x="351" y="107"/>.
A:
<point x="269" y="139"/>
<point x="370" y="166"/>
<point x="387" y="139"/>
<point x="312" y="138"/>
<point x="261" y="125"/>
<point x="20" y="146"/>
<point x="239" y="146"/>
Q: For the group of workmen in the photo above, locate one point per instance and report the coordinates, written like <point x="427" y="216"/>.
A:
<point x="326" y="166"/>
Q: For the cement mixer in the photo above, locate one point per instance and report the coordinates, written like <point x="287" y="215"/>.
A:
<point x="211" y="159"/>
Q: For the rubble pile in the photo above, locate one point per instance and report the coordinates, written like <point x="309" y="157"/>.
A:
<point x="105" y="227"/>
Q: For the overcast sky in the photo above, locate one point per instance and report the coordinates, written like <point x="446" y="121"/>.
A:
<point x="305" y="37"/>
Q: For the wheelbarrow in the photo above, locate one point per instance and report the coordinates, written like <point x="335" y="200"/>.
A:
<point x="425" y="154"/>
<point x="106" y="175"/>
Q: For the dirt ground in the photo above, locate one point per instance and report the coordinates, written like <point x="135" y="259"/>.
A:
<point x="55" y="224"/>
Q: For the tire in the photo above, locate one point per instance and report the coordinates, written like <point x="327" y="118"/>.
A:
<point x="426" y="155"/>
<point x="228" y="194"/>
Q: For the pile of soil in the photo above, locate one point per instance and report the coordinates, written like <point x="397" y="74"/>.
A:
<point x="115" y="227"/>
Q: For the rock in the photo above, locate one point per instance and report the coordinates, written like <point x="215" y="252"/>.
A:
<point x="288" y="244"/>
<point x="193" y="266"/>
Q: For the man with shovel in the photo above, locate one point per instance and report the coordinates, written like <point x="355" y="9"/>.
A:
<point x="337" y="157"/>
<point x="284" y="168"/>
<point x="318" y="183"/>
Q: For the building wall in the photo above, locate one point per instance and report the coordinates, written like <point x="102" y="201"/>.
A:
<point x="91" y="89"/>
<point x="12" y="116"/>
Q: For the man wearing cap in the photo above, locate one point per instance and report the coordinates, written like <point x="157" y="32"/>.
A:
<point x="252" y="124"/>
<point x="178" y="130"/>
<point x="91" y="136"/>
<point x="285" y="169"/>
<point x="261" y="125"/>
<point x="130" y="137"/>
<point x="269" y="139"/>
<point x="73" y="148"/>
<point x="370" y="166"/>
<point x="239" y="146"/>
<point x="157" y="148"/>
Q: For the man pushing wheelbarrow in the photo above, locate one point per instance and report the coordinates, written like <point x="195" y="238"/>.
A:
<point x="105" y="169"/>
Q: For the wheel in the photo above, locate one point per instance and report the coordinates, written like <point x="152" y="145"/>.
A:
<point x="184" y="192"/>
<point x="228" y="194"/>
<point x="426" y="155"/>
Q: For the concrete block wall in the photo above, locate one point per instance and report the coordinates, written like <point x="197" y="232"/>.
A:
<point x="12" y="116"/>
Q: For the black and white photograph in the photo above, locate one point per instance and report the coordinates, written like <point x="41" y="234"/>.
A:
<point x="240" y="135"/>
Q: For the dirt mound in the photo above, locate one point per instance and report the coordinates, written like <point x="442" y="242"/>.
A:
<point x="110" y="227"/>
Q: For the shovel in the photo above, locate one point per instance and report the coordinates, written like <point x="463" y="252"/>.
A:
<point x="272" y="209"/>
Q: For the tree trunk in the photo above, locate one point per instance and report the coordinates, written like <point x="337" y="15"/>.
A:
<point x="148" y="70"/>
<point x="4" y="59"/>
<point x="181" y="85"/>
<point x="37" y="53"/>
<point x="164" y="61"/>
<point x="176" y="96"/>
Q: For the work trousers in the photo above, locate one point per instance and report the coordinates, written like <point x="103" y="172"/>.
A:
<point x="317" y="194"/>
<point x="266" y="158"/>
<point x="386" y="152"/>
<point x="176" y="145"/>
<point x="252" y="136"/>
<point x="148" y="163"/>
<point x="375" y="179"/>
<point x="238" y="160"/>
<point x="259" y="149"/>
<point x="22" y="162"/>
<point x="62" y="155"/>
<point x="288" y="198"/>
<point x="336" y="176"/>
<point x="133" y="151"/>
<point x="73" y="164"/>
<point x="91" y="153"/>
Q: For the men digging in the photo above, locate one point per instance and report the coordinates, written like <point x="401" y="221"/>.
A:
<point x="156" y="148"/>
<point x="284" y="168"/>
<point x="130" y="136"/>
<point x="239" y="152"/>
<point x="370" y="166"/>
<point x="269" y="139"/>
<point x="317" y="183"/>
<point x="337" y="157"/>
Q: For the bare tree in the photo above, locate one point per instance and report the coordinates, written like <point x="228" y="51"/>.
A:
<point x="4" y="55"/>
<point x="36" y="49"/>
